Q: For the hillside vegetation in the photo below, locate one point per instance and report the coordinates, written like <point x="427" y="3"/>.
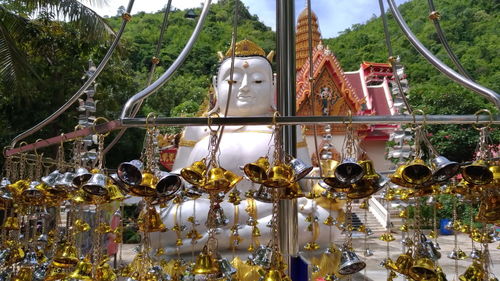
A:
<point x="57" y="52"/>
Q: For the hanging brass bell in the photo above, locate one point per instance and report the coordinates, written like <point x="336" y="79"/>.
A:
<point x="350" y="262"/>
<point x="417" y="172"/>
<point x="279" y="176"/>
<point x="104" y="272"/>
<point x="96" y="185"/>
<point x="81" y="225"/>
<point x="423" y="269"/>
<point x="293" y="192"/>
<point x="475" y="272"/>
<point x="257" y="171"/>
<point x="195" y="173"/>
<point x="81" y="176"/>
<point x="233" y="178"/>
<point x="404" y="262"/>
<point x="55" y="273"/>
<point x="12" y="223"/>
<point x="349" y="172"/>
<point x="150" y="221"/>
<point x="328" y="168"/>
<point x="33" y="194"/>
<point x="397" y="177"/>
<point x="205" y="264"/>
<point x="18" y="187"/>
<point x="131" y="172"/>
<point x="272" y="275"/>
<point x="65" y="255"/>
<point x="147" y="187"/>
<point x="216" y="180"/>
<point x="168" y="184"/>
<point x="443" y="169"/>
<point x="83" y="271"/>
<point x="114" y="193"/>
<point x="477" y="173"/>
<point x="24" y="274"/>
<point x="495" y="170"/>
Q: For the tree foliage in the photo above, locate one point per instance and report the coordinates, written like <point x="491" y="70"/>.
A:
<point x="471" y="28"/>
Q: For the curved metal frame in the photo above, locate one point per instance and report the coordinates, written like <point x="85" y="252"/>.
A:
<point x="80" y="91"/>
<point x="137" y="98"/>
<point x="444" y="42"/>
<point x="442" y="67"/>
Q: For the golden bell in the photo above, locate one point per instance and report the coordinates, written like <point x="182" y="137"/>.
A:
<point x="54" y="273"/>
<point x="272" y="275"/>
<point x="280" y="176"/>
<point x="495" y="170"/>
<point x="104" y="272"/>
<point x="417" y="172"/>
<point x="83" y="271"/>
<point x="233" y="178"/>
<point x="24" y="274"/>
<point x="423" y="269"/>
<point x="364" y="205"/>
<point x="81" y="225"/>
<point x="397" y="177"/>
<point x="474" y="272"/>
<point x="150" y="221"/>
<point x="12" y="223"/>
<point x="477" y="173"/>
<point x="114" y="192"/>
<point x="216" y="180"/>
<point x="403" y="214"/>
<point x="362" y="189"/>
<point x="489" y="209"/>
<point x="404" y="262"/>
<point x="147" y="187"/>
<point x="328" y="168"/>
<point x="294" y="191"/>
<point x="257" y="171"/>
<point x="195" y="173"/>
<point x="18" y="187"/>
<point x="404" y="228"/>
<point x="205" y="264"/>
<point x="16" y="255"/>
<point x="65" y="256"/>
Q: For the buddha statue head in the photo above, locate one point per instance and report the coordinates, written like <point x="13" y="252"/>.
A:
<point x="252" y="84"/>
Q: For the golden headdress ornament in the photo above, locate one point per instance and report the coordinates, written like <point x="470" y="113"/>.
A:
<point x="246" y="48"/>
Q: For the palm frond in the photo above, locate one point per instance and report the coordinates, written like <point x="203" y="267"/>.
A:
<point x="13" y="62"/>
<point x="89" y="22"/>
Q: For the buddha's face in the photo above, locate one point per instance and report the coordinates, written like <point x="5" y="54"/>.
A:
<point x="252" y="92"/>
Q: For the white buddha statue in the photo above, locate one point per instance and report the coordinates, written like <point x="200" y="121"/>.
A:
<point x="253" y="94"/>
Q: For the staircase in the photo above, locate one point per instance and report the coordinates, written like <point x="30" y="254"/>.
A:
<point x="371" y="221"/>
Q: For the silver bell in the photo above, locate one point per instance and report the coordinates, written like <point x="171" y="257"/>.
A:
<point x="43" y="238"/>
<point x="168" y="184"/>
<point x="96" y="185"/>
<point x="300" y="168"/>
<point x="350" y="262"/>
<point x="476" y="254"/>
<point x="262" y="256"/>
<point x="368" y="253"/>
<point x="449" y="225"/>
<point x="131" y="172"/>
<point x="4" y="182"/>
<point x="4" y="254"/>
<point x="65" y="181"/>
<point x="263" y="194"/>
<point x="219" y="219"/>
<point x="39" y="272"/>
<point x="407" y="242"/>
<point x="51" y="178"/>
<point x="349" y="172"/>
<point x="32" y="193"/>
<point x="436" y="245"/>
<point x="444" y="169"/>
<point x="30" y="259"/>
<point x="225" y="267"/>
<point x="118" y="182"/>
<point x="82" y="175"/>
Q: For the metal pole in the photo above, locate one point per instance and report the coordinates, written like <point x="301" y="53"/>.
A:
<point x="442" y="67"/>
<point x="126" y="18"/>
<point x="288" y="232"/>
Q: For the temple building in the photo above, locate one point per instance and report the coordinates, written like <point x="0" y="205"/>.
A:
<point x="365" y="91"/>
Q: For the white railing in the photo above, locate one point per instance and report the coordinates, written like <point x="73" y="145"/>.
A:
<point x="379" y="211"/>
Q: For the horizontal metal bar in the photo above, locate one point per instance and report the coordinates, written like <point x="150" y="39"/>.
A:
<point x="98" y="129"/>
<point x="306" y="120"/>
<point x="283" y="120"/>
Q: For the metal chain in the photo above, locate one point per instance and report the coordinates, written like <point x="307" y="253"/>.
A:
<point x="348" y="214"/>
<point x="22" y="166"/>
<point x="60" y="157"/>
<point x="274" y="219"/>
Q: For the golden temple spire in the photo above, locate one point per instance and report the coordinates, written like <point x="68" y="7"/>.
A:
<point x="301" y="40"/>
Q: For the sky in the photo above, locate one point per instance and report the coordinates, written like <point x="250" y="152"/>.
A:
<point x="334" y="15"/>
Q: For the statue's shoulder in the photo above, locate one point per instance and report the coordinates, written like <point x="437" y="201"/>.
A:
<point x="192" y="135"/>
